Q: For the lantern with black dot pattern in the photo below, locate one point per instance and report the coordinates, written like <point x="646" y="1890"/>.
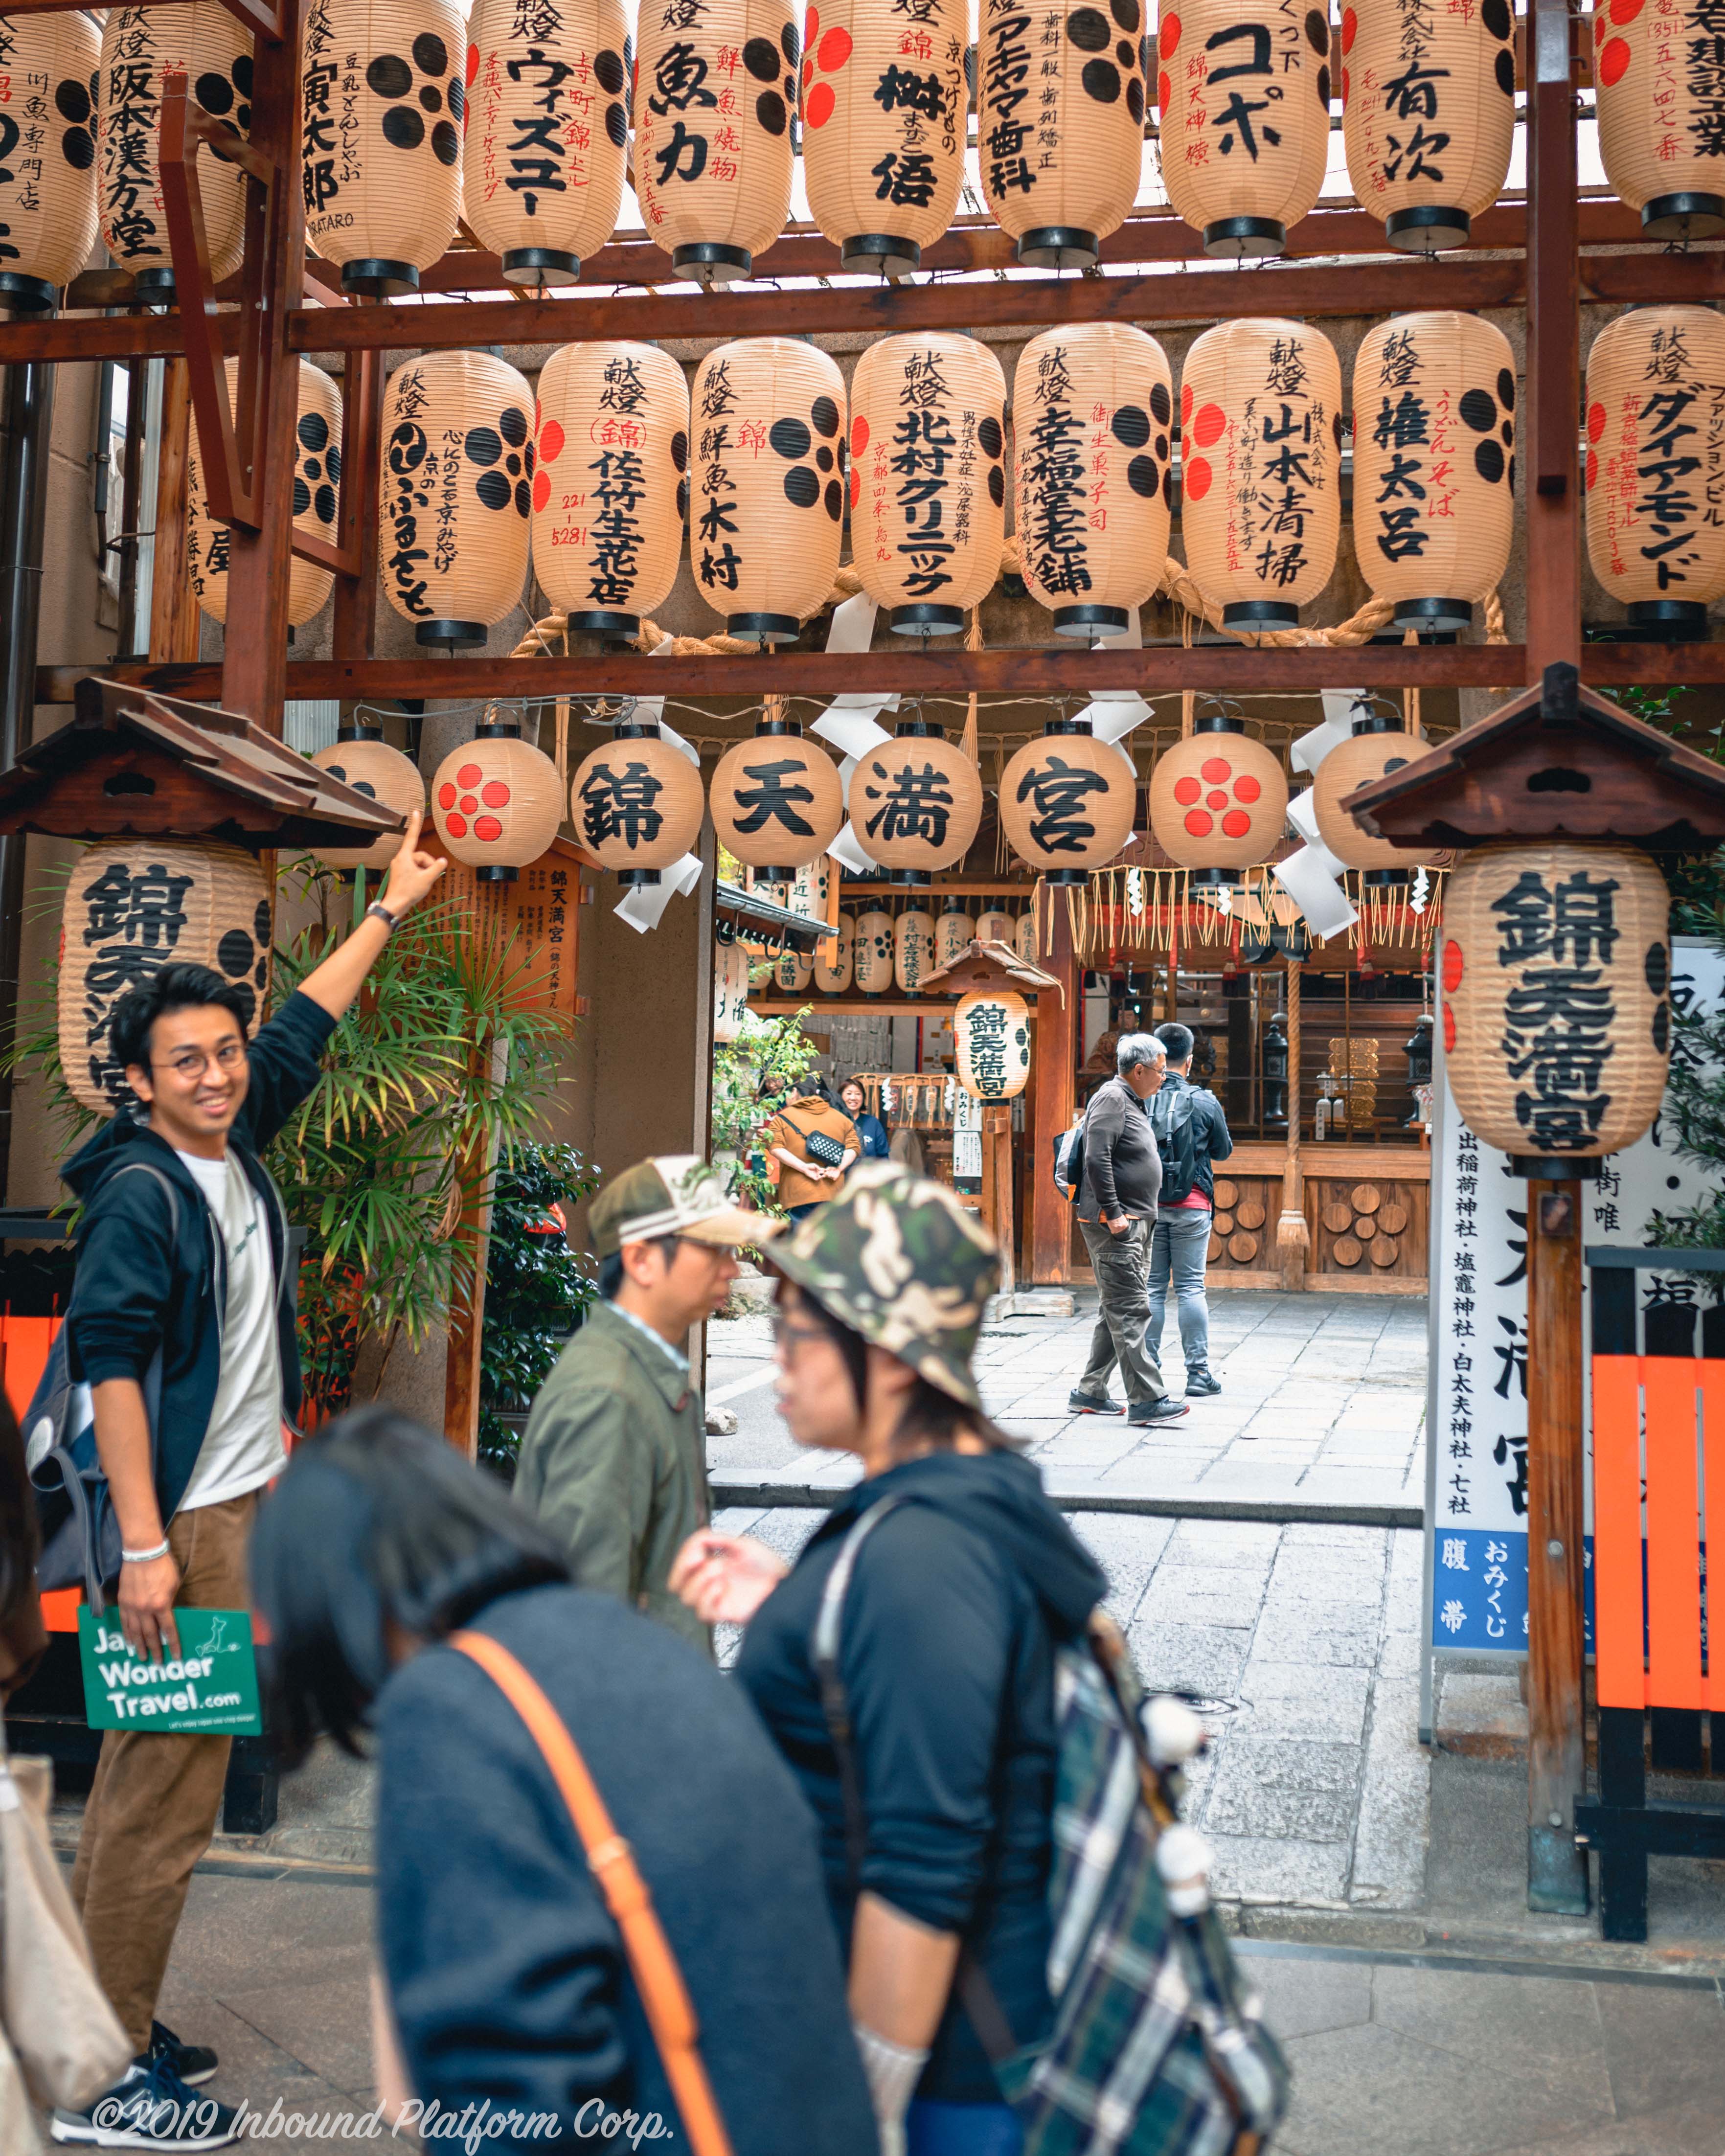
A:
<point x="765" y="522"/>
<point x="1218" y="800"/>
<point x="1378" y="746"/>
<point x="363" y="759"/>
<point x="496" y="802"/>
<point x="385" y="97"/>
<point x="1657" y="96"/>
<point x="317" y="473"/>
<point x="48" y="189"/>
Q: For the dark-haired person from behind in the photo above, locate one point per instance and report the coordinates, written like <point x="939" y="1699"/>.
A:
<point x="508" y="1979"/>
<point x="182" y="1249"/>
<point x="1192" y="1135"/>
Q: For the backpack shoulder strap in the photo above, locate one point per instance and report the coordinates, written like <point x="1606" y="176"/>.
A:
<point x="149" y="1167"/>
<point x="824" y="1653"/>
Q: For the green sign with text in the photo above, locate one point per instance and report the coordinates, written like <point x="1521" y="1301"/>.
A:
<point x="209" y="1689"/>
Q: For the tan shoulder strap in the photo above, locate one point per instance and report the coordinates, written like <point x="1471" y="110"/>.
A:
<point x="671" y="2014"/>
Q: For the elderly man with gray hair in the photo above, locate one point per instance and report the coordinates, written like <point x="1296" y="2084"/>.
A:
<point x="1116" y="1213"/>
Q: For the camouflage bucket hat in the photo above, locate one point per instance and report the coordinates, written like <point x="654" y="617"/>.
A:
<point x="898" y="1258"/>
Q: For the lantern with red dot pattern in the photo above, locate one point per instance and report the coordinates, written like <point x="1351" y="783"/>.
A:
<point x="363" y="760"/>
<point x="637" y="804"/>
<point x="496" y="802"/>
<point x="1218" y="800"/>
<point x="1656" y="92"/>
<point x="1378" y="746"/>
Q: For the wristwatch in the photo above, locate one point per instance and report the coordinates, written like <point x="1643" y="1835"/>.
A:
<point x="391" y="921"/>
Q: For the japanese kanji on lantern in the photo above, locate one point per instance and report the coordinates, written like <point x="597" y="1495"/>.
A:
<point x="872" y="953"/>
<point x="132" y="907"/>
<point x="832" y="975"/>
<point x="496" y="802"/>
<point x="769" y="483"/>
<point x="927" y="478"/>
<point x="716" y="91"/>
<point x="363" y="759"/>
<point x="636" y="804"/>
<point x="953" y="929"/>
<point x="455" y="493"/>
<point x="1244" y="91"/>
<point x="546" y="137"/>
<point x="793" y="971"/>
<point x="731" y="990"/>
<point x="1656" y="465"/>
<point x="916" y="804"/>
<point x="1260" y="449"/>
<point x="317" y="473"/>
<point x="884" y="118"/>
<point x="912" y="949"/>
<point x="1218" y="800"/>
<point x="991" y="1035"/>
<point x="1434" y="464"/>
<point x="1066" y="801"/>
<point x="1023" y="936"/>
<point x="1061" y="124"/>
<point x="1661" y="111"/>
<point x="384" y="99"/>
<point x="1556" y="969"/>
<point x="610" y="483"/>
<point x="1091" y="408"/>
<point x="775" y="800"/>
<point x="1428" y="112"/>
<point x="1378" y="746"/>
<point x="48" y="183"/>
<point x="200" y="40"/>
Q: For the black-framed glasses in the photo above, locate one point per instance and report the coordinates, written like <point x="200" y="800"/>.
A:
<point x="192" y="1062"/>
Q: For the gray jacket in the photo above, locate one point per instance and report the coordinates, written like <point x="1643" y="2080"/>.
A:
<point x="1122" y="1169"/>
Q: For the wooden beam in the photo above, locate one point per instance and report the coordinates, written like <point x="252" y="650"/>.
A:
<point x="1054" y="1051"/>
<point x="354" y="631"/>
<point x="173" y="607"/>
<point x="1549" y="457"/>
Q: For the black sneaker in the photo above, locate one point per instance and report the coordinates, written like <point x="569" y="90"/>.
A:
<point x="150" y="2107"/>
<point x="194" y="2063"/>
<point x="1201" y="1385"/>
<point x="1166" y="1409"/>
<point x="1087" y="1404"/>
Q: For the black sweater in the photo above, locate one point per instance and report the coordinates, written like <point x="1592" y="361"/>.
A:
<point x="1122" y="1166"/>
<point x="946" y="1656"/>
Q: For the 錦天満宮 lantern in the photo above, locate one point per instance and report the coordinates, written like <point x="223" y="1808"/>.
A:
<point x="610" y="483"/>
<point x="384" y="96"/>
<point x="132" y="907"/>
<point x="1656" y="465"/>
<point x="200" y="40"/>
<point x="317" y="474"/>
<point x="716" y="92"/>
<point x="1661" y="109"/>
<point x="1428" y="113"/>
<point x="952" y="931"/>
<point x="912" y="949"/>
<point x="832" y="975"/>
<point x="1377" y="746"/>
<point x="1557" y="1016"/>
<point x="1218" y="800"/>
<point x="927" y="478"/>
<point x="636" y="804"/>
<point x="871" y="951"/>
<point x="48" y="182"/>
<point x="776" y="801"/>
<point x="991" y="1036"/>
<point x="769" y="483"/>
<point x="731" y="990"/>
<point x="363" y="759"/>
<point x="1244" y="91"/>
<point x="1261" y="458"/>
<point x="1066" y="800"/>
<point x="1091" y="408"/>
<point x="1434" y="464"/>
<point x="1061" y="124"/>
<point x="455" y="493"/>
<point x="496" y="802"/>
<point x="916" y="802"/>
<point x="546" y="133"/>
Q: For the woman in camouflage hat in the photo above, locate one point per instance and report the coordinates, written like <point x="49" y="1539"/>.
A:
<point x="936" y="1690"/>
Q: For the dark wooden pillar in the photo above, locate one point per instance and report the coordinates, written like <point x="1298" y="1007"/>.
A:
<point x="1053" y="1069"/>
<point x="173" y="608"/>
<point x="1547" y="463"/>
<point x="355" y="627"/>
<point x="997" y="1189"/>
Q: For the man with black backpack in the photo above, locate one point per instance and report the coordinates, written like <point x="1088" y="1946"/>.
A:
<point x="1191" y="1134"/>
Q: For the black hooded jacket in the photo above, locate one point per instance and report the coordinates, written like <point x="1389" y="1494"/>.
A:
<point x="951" y="1621"/>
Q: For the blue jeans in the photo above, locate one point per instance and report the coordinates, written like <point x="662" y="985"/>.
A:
<point x="1177" y="1251"/>
<point x="962" y="2129"/>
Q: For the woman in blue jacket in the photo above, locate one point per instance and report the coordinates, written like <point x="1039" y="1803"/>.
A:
<point x="876" y="1144"/>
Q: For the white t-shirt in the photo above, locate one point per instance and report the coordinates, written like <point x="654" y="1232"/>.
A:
<point x="242" y="1448"/>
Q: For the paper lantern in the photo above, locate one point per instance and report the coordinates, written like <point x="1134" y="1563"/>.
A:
<point x="610" y="484"/>
<point x="1428" y="111"/>
<point x="991" y="1036"/>
<point x="1260" y="450"/>
<point x="1218" y="801"/>
<point x="775" y="800"/>
<point x="884" y="119"/>
<point x="912" y="949"/>
<point x="731" y="990"/>
<point x="454" y="494"/>
<point x="637" y="804"/>
<point x="200" y="40"/>
<point x="1061" y="126"/>
<point x="953" y="932"/>
<point x="48" y="182"/>
<point x="1066" y="801"/>
<point x="716" y="92"/>
<point x="1378" y="746"/>
<point x="384" y="103"/>
<point x="1658" y="99"/>
<point x="363" y="760"/>
<point x="1024" y="936"/>
<point x="496" y="802"/>
<point x="1244" y="91"/>
<point x="546" y="133"/>
<point x="769" y="483"/>
<point x="1556" y="965"/>
<point x="1091" y="406"/>
<point x="833" y="976"/>
<point x="1656" y="465"/>
<point x="872" y="952"/>
<point x="132" y="907"/>
<point x="927" y="478"/>
<point x="317" y="472"/>
<point x="916" y="804"/>
<point x="793" y="971"/>
<point x="1434" y="464"/>
<point x="811" y="887"/>
<point x="993" y="925"/>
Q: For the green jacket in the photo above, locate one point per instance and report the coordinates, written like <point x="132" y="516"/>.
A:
<point x="614" y="1465"/>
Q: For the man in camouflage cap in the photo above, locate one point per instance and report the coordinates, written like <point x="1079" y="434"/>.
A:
<point x="614" y="1459"/>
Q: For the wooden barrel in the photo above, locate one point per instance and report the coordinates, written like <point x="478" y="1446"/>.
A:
<point x="1347" y="1252"/>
